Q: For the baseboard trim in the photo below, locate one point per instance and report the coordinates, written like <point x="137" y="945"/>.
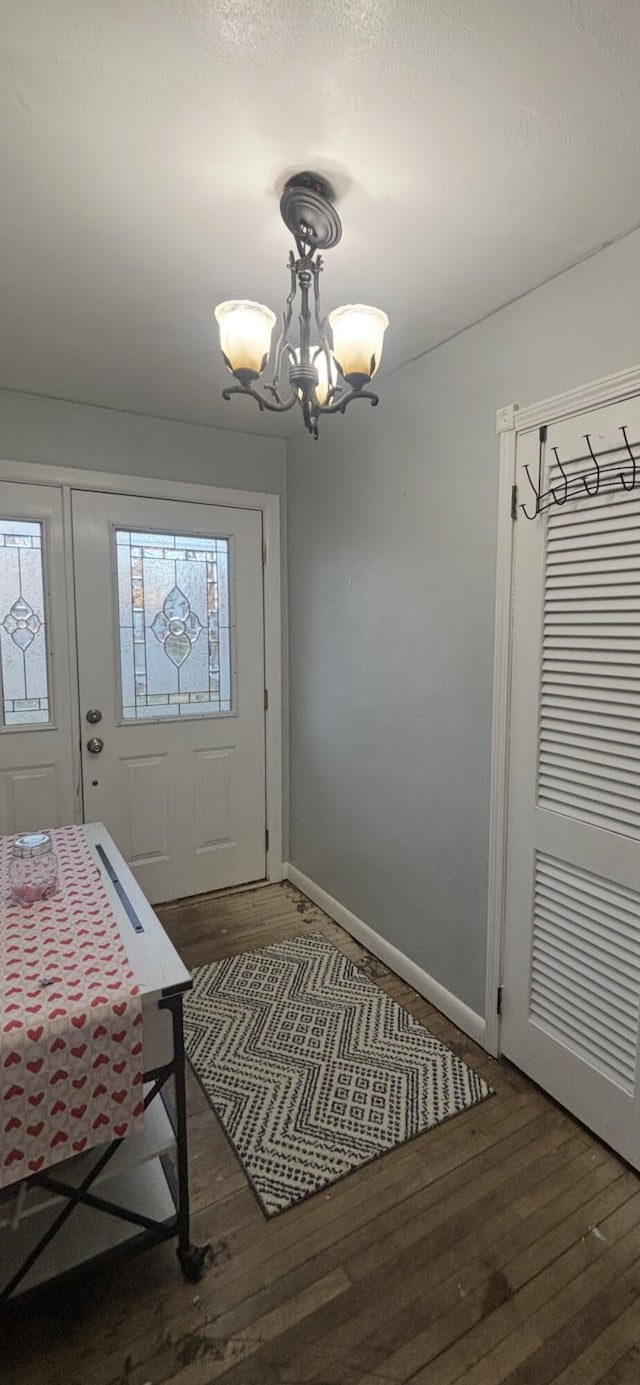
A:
<point x="455" y="1009"/>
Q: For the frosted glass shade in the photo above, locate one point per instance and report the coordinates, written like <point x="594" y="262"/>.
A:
<point x="326" y="380"/>
<point x="319" y="360"/>
<point x="358" y="333"/>
<point x="245" y="337"/>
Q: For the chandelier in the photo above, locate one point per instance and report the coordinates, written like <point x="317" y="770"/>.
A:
<point x="333" y="359"/>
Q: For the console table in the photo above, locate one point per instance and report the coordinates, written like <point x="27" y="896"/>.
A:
<point x="133" y="1192"/>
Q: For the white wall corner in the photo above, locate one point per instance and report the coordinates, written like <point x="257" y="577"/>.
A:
<point x="455" y="1009"/>
<point x="505" y="418"/>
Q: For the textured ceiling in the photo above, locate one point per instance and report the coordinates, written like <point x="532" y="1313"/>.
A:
<point x="480" y="146"/>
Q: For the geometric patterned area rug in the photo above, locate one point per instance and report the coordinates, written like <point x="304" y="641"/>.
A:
<point x="312" y="1069"/>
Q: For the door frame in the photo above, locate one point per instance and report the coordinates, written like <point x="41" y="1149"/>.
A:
<point x="511" y="421"/>
<point x="68" y="479"/>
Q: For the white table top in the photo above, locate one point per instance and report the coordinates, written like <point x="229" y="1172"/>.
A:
<point x="156" y="964"/>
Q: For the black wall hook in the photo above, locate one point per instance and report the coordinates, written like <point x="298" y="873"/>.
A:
<point x="565" y="479"/>
<point x="602" y="473"/>
<point x="628" y="485"/>
<point x="592" y="493"/>
<point x="536" y="489"/>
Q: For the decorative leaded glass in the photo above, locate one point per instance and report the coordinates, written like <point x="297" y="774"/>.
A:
<point x="23" y="636"/>
<point x="175" y="646"/>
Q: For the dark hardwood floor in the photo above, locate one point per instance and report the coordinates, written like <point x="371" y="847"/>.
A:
<point x="501" y="1249"/>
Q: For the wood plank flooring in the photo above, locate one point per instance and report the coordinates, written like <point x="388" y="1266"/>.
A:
<point x="501" y="1249"/>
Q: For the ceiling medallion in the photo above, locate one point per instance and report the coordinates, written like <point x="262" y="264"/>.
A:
<point x="335" y="358"/>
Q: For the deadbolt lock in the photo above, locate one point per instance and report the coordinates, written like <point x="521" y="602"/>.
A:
<point x="94" y="715"/>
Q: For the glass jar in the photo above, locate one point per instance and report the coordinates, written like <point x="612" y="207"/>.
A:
<point x="33" y="868"/>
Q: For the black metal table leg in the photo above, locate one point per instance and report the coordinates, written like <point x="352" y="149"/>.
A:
<point x="192" y="1258"/>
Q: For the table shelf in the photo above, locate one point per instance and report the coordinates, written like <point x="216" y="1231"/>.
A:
<point x="156" y="1138"/>
<point x="142" y="1188"/>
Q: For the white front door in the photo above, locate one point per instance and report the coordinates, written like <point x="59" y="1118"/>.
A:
<point x="36" y="773"/>
<point x="572" y="942"/>
<point x="169" y="610"/>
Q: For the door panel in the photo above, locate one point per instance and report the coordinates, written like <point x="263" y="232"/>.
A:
<point x="146" y="800"/>
<point x="213" y="769"/>
<point x="171" y="653"/>
<point x="36" y="770"/>
<point x="572" y="934"/>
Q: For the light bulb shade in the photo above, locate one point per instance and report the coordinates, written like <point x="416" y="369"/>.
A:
<point x="245" y="337"/>
<point x="327" y="379"/>
<point x="358" y="333"/>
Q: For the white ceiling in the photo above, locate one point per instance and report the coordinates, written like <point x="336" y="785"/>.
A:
<point x="480" y="145"/>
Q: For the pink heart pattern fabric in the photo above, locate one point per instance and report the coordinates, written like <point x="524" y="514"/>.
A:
<point x="70" y="1018"/>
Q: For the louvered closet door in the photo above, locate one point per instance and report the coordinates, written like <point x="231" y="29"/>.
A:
<point x="572" y="944"/>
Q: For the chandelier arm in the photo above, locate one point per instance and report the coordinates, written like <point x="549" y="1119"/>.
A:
<point x="287" y="311"/>
<point x="279" y="407"/>
<point x="339" y="406"/>
<point x="317" y="271"/>
<point x="323" y="332"/>
<point x="274" y="393"/>
<point x="274" y="387"/>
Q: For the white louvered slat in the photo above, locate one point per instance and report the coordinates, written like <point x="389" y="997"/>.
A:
<point x="605" y="580"/>
<point x="605" y="604"/>
<point x="597" y="660"/>
<point x="627" y="899"/>
<point x="590" y="677"/>
<point x="584" y="794"/>
<point x="565" y="929"/>
<point x="589" y="527"/>
<point x="590" y="908"/>
<point x="585" y="965"/>
<point x="568" y="1004"/>
<point x="584" y="768"/>
<point x="584" y="812"/>
<point x="600" y="624"/>
<point x="591" y="741"/>
<point x="602" y="642"/>
<point x="583" y="524"/>
<point x="613" y="701"/>
<point x="616" y="557"/>
<point x="582" y="706"/>
<point x="559" y="957"/>
<point x="606" y="678"/>
<point x="565" y="709"/>
<point x="570" y="1035"/>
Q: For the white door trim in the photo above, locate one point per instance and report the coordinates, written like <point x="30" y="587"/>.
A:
<point x="511" y="421"/>
<point x="75" y="478"/>
<point x="500" y="730"/>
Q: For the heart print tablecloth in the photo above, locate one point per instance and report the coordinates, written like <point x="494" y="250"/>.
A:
<point x="70" y="1018"/>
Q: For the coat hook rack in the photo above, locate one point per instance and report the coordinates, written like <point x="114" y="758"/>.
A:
<point x="600" y="474"/>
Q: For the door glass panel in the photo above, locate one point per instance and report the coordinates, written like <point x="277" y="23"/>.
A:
<point x="23" y="634"/>
<point x="175" y="650"/>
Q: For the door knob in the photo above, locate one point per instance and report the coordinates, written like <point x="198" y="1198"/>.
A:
<point x="95" y="745"/>
<point x="94" y="715"/>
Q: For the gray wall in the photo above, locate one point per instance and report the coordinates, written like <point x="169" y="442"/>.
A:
<point x="392" y="540"/>
<point x="34" y="429"/>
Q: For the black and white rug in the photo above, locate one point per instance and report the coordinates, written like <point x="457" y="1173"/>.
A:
<point x="312" y="1069"/>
